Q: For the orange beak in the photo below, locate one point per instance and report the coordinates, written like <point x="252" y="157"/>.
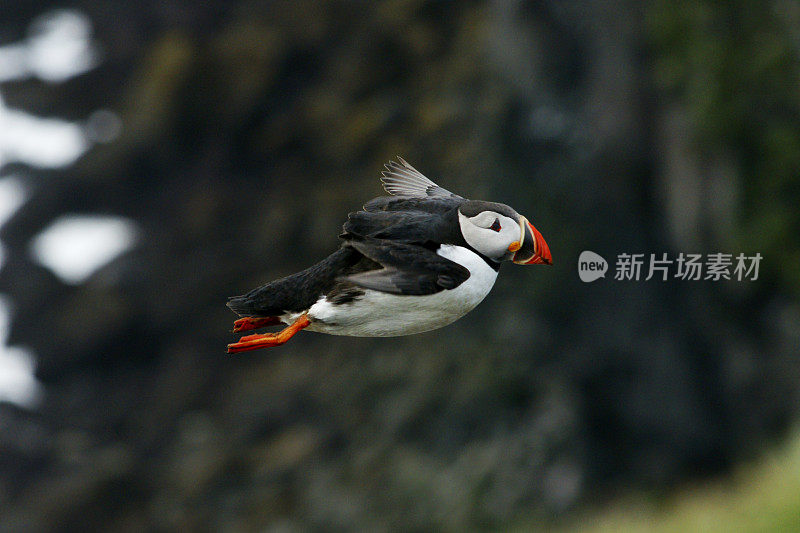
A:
<point x="533" y="249"/>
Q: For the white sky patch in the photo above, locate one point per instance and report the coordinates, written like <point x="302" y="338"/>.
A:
<point x="58" y="47"/>
<point x="42" y="142"/>
<point x="17" y="382"/>
<point x="74" y="247"/>
<point x="12" y="196"/>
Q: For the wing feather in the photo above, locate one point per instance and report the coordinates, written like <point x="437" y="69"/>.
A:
<point x="407" y="269"/>
<point x="401" y="179"/>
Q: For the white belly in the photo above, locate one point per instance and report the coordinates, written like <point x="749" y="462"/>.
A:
<point x="378" y="314"/>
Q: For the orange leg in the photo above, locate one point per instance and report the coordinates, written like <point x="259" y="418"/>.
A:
<point x="251" y="322"/>
<point x="266" y="340"/>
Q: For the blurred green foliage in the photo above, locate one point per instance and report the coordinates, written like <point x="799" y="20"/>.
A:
<point x="762" y="496"/>
<point x="735" y="66"/>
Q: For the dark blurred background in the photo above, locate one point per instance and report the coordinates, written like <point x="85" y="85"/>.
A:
<point x="227" y="141"/>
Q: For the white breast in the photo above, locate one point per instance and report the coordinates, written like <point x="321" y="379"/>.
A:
<point x="378" y="314"/>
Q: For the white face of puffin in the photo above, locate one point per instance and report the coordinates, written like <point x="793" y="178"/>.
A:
<point x="492" y="234"/>
<point x="501" y="234"/>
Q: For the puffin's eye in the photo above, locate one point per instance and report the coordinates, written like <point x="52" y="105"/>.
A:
<point x="495" y="225"/>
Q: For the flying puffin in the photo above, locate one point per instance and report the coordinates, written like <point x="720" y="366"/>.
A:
<point x="411" y="262"/>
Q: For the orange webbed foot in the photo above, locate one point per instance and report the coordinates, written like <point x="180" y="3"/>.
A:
<point x="249" y="322"/>
<point x="266" y="340"/>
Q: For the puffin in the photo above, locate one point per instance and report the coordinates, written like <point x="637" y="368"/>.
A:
<point x="411" y="262"/>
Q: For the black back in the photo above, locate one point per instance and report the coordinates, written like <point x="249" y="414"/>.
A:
<point x="301" y="290"/>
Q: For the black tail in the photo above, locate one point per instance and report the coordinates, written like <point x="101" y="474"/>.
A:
<point x="297" y="292"/>
<point x="241" y="305"/>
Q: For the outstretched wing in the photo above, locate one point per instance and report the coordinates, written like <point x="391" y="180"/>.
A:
<point x="408" y="269"/>
<point x="401" y="179"/>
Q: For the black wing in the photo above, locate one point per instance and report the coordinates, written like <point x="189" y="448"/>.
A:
<point x="410" y="220"/>
<point x="408" y="269"/>
<point x="402" y="234"/>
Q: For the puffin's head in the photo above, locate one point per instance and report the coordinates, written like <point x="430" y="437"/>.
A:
<point x="502" y="234"/>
